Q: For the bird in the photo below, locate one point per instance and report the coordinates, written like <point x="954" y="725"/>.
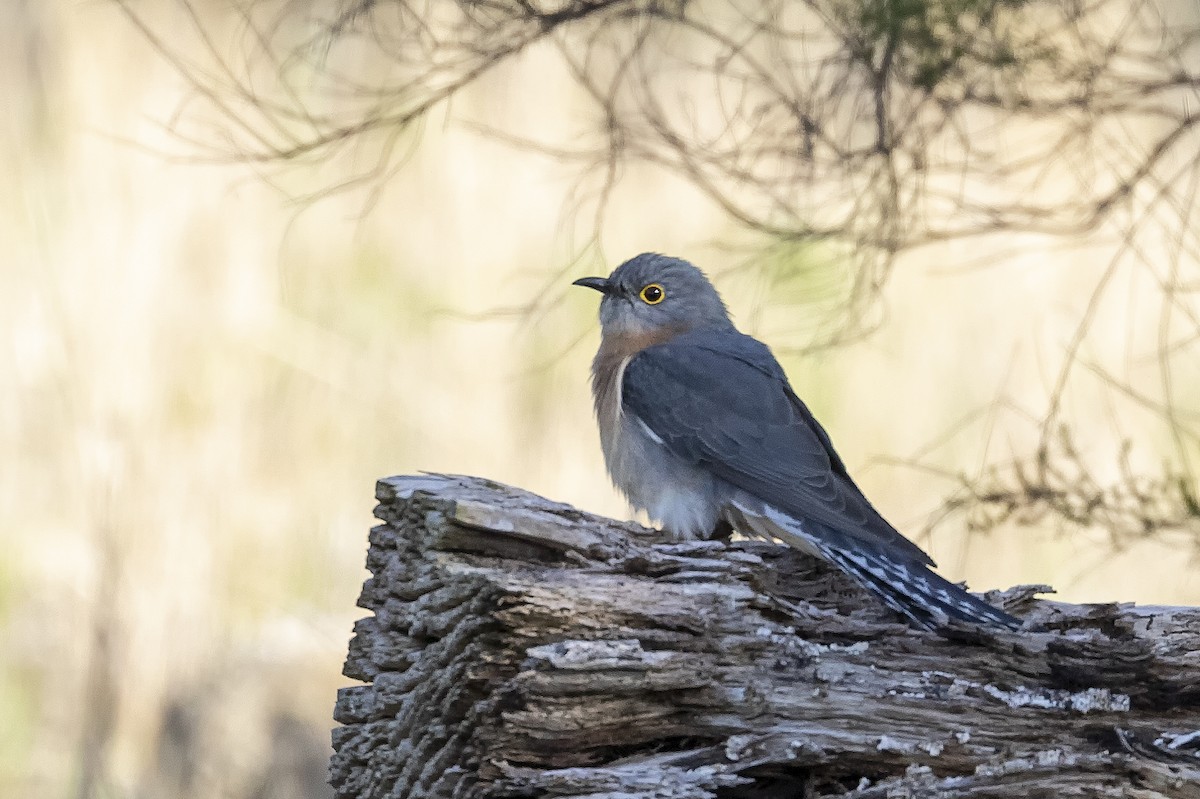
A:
<point x="701" y="429"/>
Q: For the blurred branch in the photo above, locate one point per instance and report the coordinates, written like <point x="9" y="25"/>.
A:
<point x="855" y="122"/>
<point x="102" y="687"/>
<point x="1059" y="483"/>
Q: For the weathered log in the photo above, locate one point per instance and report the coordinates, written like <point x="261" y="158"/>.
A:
<point x="522" y="648"/>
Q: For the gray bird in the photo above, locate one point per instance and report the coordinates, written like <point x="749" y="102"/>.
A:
<point x="702" y="431"/>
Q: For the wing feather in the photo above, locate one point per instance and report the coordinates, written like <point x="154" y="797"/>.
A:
<point x="719" y="398"/>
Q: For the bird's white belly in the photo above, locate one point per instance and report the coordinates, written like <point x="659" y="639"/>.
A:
<point x="681" y="497"/>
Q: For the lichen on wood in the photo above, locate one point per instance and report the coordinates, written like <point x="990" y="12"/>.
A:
<point x="518" y="647"/>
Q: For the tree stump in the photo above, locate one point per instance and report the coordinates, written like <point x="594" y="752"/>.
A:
<point x="518" y="647"/>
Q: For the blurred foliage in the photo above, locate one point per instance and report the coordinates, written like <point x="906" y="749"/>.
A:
<point x="931" y="41"/>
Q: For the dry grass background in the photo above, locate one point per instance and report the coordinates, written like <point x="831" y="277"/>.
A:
<point x="204" y="379"/>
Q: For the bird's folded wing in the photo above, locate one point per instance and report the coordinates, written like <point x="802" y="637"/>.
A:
<point x="720" y="399"/>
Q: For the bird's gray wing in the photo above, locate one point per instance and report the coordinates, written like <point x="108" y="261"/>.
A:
<point x="719" y="399"/>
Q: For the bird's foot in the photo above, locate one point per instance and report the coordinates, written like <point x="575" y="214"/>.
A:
<point x="722" y="531"/>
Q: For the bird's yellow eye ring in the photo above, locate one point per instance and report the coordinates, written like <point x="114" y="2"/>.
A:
<point x="652" y="294"/>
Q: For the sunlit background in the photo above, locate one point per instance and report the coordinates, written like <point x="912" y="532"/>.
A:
<point x="204" y="378"/>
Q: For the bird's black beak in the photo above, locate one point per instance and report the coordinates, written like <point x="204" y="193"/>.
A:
<point x="600" y="284"/>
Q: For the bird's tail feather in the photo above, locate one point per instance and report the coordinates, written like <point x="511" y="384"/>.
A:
<point x="905" y="585"/>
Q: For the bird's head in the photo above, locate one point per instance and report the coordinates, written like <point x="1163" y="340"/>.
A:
<point x="650" y="293"/>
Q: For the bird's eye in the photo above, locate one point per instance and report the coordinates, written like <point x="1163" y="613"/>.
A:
<point x="652" y="294"/>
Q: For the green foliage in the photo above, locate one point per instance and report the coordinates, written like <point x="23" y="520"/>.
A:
<point x="929" y="41"/>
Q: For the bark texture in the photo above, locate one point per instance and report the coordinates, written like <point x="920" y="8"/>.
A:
<point x="518" y="647"/>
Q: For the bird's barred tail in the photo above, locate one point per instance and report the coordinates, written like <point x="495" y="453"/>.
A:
<point x="905" y="585"/>
<point x="911" y="589"/>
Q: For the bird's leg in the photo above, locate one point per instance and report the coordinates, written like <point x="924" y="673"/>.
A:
<point x="722" y="531"/>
